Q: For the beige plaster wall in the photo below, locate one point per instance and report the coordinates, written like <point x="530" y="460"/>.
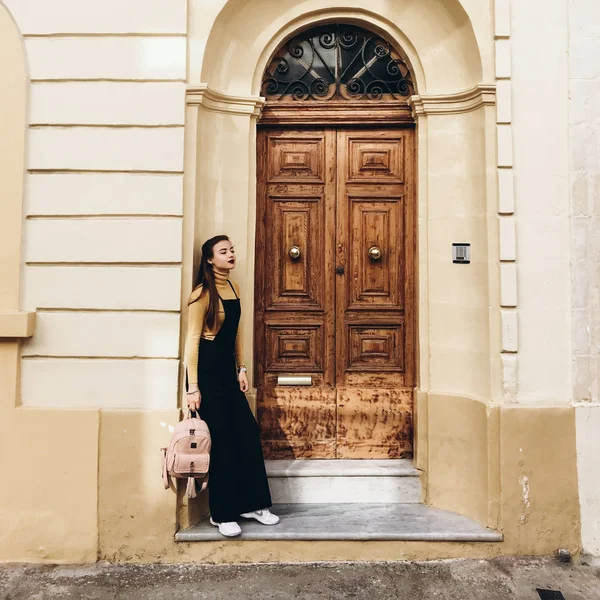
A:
<point x="457" y="339"/>
<point x="48" y="513"/>
<point x="102" y="241"/>
<point x="539" y="78"/>
<point x="458" y="461"/>
<point x="540" y="505"/>
<point x="584" y="165"/>
<point x="588" y="453"/>
<point x="47" y="510"/>
<point x="136" y="515"/>
<point x="492" y="463"/>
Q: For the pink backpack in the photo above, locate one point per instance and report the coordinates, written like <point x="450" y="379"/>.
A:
<point x="188" y="455"/>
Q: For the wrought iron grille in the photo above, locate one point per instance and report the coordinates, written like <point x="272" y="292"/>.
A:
<point x="337" y="62"/>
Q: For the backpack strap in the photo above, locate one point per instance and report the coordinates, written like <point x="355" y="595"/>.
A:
<point x="204" y="483"/>
<point x="190" y="490"/>
<point x="165" y="474"/>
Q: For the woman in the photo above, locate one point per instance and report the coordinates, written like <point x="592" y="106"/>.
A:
<point x="237" y="482"/>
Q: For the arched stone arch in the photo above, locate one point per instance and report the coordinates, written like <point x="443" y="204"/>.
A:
<point x="436" y="35"/>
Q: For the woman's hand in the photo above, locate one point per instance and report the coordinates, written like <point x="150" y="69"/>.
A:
<point x="244" y="385"/>
<point x="193" y="399"/>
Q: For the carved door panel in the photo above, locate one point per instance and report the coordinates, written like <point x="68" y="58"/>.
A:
<point x="294" y="322"/>
<point x="334" y="286"/>
<point x="374" y="315"/>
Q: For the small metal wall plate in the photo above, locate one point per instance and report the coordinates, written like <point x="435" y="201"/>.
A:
<point x="461" y="253"/>
<point x="294" y="380"/>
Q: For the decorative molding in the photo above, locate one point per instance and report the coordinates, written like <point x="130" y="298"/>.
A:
<point x="503" y="102"/>
<point x="502" y="18"/>
<point x="202" y="95"/>
<point x="508" y="285"/>
<point x="506" y="191"/>
<point x="503" y="59"/>
<point x="509" y="330"/>
<point x="483" y="94"/>
<point x="16" y="324"/>
<point x="506" y="195"/>
<point x="331" y="113"/>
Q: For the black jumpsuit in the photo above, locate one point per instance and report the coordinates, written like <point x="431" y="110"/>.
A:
<point x="237" y="477"/>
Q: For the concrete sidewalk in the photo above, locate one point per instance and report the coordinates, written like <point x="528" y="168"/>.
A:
<point x="497" y="579"/>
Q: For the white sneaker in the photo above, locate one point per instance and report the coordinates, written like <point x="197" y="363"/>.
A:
<point x="264" y="516"/>
<point x="229" y="529"/>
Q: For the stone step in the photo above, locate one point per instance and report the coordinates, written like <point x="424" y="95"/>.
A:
<point x="399" y="467"/>
<point x="403" y="522"/>
<point x="343" y="481"/>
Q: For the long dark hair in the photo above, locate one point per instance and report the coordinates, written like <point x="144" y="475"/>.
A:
<point x="206" y="279"/>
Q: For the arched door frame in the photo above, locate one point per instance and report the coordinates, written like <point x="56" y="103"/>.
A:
<point x="356" y="406"/>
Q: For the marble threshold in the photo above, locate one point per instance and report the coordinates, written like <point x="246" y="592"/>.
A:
<point x="353" y="522"/>
<point x="401" y="467"/>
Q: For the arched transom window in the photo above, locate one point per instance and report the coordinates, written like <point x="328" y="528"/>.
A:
<point x="337" y="63"/>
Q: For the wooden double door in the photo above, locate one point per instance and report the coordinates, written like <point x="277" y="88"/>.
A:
<point x="335" y="292"/>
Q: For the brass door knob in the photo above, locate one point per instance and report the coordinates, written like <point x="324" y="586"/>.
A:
<point x="374" y="253"/>
<point x="294" y="253"/>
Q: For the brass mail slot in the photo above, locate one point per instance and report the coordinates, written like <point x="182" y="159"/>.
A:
<point x="294" y="380"/>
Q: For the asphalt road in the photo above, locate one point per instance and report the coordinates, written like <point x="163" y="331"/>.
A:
<point x="501" y="578"/>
